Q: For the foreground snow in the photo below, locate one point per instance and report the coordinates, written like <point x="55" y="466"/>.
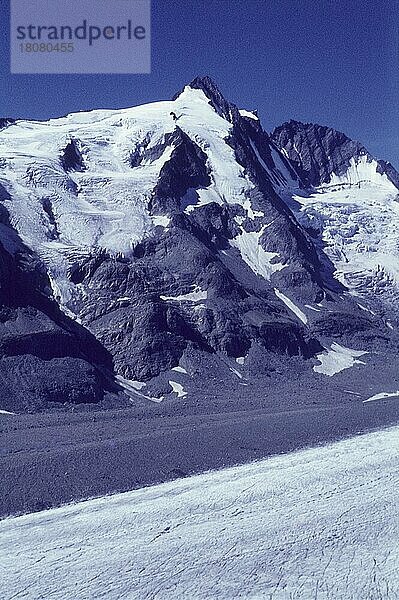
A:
<point x="320" y="523"/>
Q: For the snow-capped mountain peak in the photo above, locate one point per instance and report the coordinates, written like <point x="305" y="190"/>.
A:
<point x="222" y="107"/>
<point x="130" y="212"/>
<point x="350" y="204"/>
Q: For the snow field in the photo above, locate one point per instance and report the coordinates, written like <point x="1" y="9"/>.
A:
<point x="319" y="523"/>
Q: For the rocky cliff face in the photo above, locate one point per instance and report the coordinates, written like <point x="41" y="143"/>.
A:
<point x="45" y="356"/>
<point x="166" y="232"/>
<point x="318" y="153"/>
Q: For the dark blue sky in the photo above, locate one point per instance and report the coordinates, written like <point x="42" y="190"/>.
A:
<point x="331" y="62"/>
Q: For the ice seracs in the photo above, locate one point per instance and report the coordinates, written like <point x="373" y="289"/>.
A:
<point x="349" y="200"/>
<point x="359" y="230"/>
<point x="361" y="171"/>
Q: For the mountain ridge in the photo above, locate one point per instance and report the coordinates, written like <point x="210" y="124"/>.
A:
<point x="318" y="151"/>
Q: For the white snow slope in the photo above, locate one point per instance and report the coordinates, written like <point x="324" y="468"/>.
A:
<point x="319" y="523"/>
<point x="357" y="215"/>
<point x="106" y="204"/>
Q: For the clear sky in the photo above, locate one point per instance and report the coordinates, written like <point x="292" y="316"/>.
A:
<point x="333" y="62"/>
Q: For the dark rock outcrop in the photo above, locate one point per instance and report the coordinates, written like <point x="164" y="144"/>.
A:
<point x="44" y="356"/>
<point x="5" y="122"/>
<point x="186" y="169"/>
<point x="317" y="151"/>
<point x="71" y="158"/>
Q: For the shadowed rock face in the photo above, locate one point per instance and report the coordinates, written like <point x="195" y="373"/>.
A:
<point x="44" y="356"/>
<point x="71" y="158"/>
<point x="6" y="122"/>
<point x="389" y="170"/>
<point x="186" y="169"/>
<point x="146" y="323"/>
<point x="4" y="195"/>
<point x="317" y="151"/>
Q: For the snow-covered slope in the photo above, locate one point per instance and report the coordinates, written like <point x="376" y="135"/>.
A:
<point x="359" y="226"/>
<point x="320" y="523"/>
<point x="63" y="211"/>
<point x="351" y="204"/>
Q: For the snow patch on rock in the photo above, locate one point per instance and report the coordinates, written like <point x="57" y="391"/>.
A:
<point x="180" y="370"/>
<point x="383" y="396"/>
<point x="247" y="113"/>
<point x="197" y="295"/>
<point x="337" y="359"/>
<point x="252" y="252"/>
<point x="178" y="389"/>
<point x="291" y="306"/>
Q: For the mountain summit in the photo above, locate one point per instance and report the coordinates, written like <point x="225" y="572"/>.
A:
<point x="219" y="103"/>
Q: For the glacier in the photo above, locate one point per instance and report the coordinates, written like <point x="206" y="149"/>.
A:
<point x="321" y="522"/>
